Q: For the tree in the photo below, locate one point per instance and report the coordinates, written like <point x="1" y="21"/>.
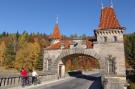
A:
<point x="22" y="57"/>
<point x="129" y="41"/>
<point x="27" y="56"/>
<point x="9" y="56"/>
<point x="2" y="52"/>
<point x="22" y="39"/>
<point x="17" y="35"/>
<point x="39" y="62"/>
<point x="35" y="53"/>
<point x="74" y="36"/>
<point x="84" y="36"/>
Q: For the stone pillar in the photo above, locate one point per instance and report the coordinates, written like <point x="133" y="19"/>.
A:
<point x="114" y="83"/>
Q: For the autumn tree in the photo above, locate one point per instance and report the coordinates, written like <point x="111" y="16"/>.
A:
<point x="2" y="52"/>
<point x="27" y="56"/>
<point x="35" y="53"/>
<point x="22" y="39"/>
<point x="9" y="56"/>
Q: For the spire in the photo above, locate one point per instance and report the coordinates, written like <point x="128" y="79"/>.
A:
<point x="108" y="19"/>
<point x="56" y="33"/>
<point x="102" y="6"/>
<point x="111" y="4"/>
<point x="57" y="20"/>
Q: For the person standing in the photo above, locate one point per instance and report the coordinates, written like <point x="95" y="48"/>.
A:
<point x="34" y="76"/>
<point x="24" y="75"/>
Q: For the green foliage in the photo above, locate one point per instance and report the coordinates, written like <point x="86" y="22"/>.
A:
<point x="130" y="49"/>
<point x="129" y="41"/>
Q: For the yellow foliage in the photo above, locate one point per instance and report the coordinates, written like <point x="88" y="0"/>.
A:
<point x="2" y="52"/>
<point x="27" y="55"/>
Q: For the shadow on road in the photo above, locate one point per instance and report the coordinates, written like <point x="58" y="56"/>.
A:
<point x="96" y="79"/>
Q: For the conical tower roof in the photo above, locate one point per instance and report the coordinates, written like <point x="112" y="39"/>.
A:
<point x="56" y="33"/>
<point x="108" y="19"/>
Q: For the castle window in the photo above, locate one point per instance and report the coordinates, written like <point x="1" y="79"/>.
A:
<point x="105" y="39"/>
<point x="115" y="38"/>
<point x="111" y="65"/>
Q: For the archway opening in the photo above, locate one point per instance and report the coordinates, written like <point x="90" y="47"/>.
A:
<point x="80" y="62"/>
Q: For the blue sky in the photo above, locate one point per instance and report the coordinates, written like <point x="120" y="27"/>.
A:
<point x="75" y="16"/>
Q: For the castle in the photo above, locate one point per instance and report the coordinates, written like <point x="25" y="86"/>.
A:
<point x="108" y="48"/>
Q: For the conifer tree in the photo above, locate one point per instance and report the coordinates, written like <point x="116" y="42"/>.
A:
<point x="9" y="56"/>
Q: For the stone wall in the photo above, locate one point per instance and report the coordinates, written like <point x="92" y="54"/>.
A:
<point x="117" y="51"/>
<point x="115" y="83"/>
<point x="52" y="57"/>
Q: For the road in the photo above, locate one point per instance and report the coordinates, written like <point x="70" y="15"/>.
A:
<point x="81" y="82"/>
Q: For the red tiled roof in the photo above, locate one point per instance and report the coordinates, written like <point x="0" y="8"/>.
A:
<point x="56" y="33"/>
<point x="108" y="19"/>
<point x="89" y="43"/>
<point x="65" y="43"/>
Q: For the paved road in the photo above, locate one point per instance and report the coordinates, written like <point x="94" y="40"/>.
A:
<point x="81" y="82"/>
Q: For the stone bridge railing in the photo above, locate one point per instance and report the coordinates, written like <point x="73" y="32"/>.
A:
<point x="16" y="81"/>
<point x="10" y="81"/>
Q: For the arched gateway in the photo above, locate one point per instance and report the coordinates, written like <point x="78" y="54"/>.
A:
<point x="107" y="46"/>
<point x="56" y="59"/>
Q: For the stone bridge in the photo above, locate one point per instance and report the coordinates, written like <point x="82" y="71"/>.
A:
<point x="53" y="58"/>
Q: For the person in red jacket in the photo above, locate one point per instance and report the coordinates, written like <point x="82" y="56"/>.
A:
<point x="24" y="75"/>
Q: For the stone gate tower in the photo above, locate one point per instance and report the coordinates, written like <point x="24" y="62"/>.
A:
<point x="110" y="43"/>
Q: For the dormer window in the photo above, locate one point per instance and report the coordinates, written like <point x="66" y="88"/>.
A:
<point x="115" y="38"/>
<point x="105" y="39"/>
<point x="62" y="46"/>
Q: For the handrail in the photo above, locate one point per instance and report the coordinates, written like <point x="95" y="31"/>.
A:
<point x="13" y="81"/>
<point x="9" y="81"/>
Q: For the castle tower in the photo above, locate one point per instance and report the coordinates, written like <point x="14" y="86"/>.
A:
<point x="110" y="35"/>
<point x="110" y="44"/>
<point x="109" y="29"/>
<point x="55" y="36"/>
